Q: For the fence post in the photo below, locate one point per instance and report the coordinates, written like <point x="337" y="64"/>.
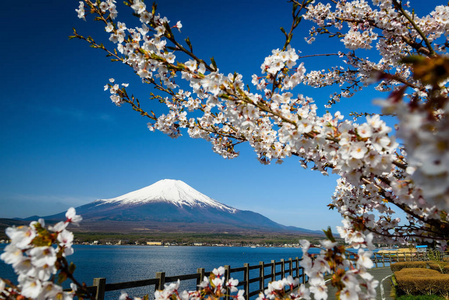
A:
<point x="227" y="277"/>
<point x="246" y="279"/>
<point x="282" y="268"/>
<point x="383" y="260"/>
<point x="290" y="261"/>
<point x="303" y="275"/>
<point x="200" y="272"/>
<point x="273" y="270"/>
<point x="262" y="275"/>
<point x="375" y="259"/>
<point x="100" y="283"/>
<point x="161" y="277"/>
<point x="297" y="267"/>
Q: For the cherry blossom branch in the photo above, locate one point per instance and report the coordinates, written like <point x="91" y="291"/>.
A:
<point x="398" y="6"/>
<point x="296" y="20"/>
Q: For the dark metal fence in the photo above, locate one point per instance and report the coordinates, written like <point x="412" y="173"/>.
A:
<point x="255" y="278"/>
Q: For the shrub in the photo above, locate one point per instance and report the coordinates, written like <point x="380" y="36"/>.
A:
<point x="442" y="267"/>
<point x="415" y="281"/>
<point x="407" y="264"/>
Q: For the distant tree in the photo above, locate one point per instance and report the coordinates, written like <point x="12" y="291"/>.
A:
<point x="381" y="171"/>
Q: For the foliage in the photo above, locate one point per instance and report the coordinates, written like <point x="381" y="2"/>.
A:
<point x="394" y="287"/>
<point x="437" y="262"/>
<point x="190" y="238"/>
<point x="440" y="267"/>
<point x="435" y="255"/>
<point x="416" y="281"/>
<point x="408" y="264"/>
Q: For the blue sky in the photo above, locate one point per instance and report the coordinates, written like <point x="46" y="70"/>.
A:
<point x="63" y="143"/>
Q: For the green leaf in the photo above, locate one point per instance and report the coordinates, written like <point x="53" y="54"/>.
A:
<point x="153" y="8"/>
<point x="329" y="234"/>
<point x="189" y="44"/>
<point x="62" y="277"/>
<point x="72" y="268"/>
<point x="283" y="31"/>
<point x="412" y="59"/>
<point x="214" y="64"/>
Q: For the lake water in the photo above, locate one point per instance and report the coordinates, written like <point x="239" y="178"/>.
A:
<point x="128" y="263"/>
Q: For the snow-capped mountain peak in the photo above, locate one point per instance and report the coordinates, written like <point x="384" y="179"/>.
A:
<point x="168" y="190"/>
<point x="170" y="206"/>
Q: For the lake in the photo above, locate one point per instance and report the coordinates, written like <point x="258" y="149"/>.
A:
<point x="128" y="263"/>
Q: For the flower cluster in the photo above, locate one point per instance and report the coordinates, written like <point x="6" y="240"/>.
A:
<point x="36" y="260"/>
<point x="212" y="287"/>
<point x="348" y="274"/>
<point x="287" y="288"/>
<point x="426" y="138"/>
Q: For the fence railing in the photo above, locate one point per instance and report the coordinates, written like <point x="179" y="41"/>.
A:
<point x="385" y="259"/>
<point x="255" y="278"/>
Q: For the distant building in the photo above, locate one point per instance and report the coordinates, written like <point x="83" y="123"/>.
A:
<point x="154" y="243"/>
<point x="421" y="248"/>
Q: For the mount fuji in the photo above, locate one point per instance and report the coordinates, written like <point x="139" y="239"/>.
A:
<point x="171" y="206"/>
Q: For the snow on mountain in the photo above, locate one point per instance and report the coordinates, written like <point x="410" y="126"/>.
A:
<point x="168" y="190"/>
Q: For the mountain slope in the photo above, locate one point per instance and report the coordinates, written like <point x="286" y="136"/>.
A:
<point x="171" y="206"/>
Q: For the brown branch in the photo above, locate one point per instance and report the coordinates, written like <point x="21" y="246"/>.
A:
<point x="296" y="20"/>
<point x="398" y="6"/>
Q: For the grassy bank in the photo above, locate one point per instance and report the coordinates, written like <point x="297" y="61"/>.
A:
<point x="191" y="238"/>
<point x="177" y="238"/>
